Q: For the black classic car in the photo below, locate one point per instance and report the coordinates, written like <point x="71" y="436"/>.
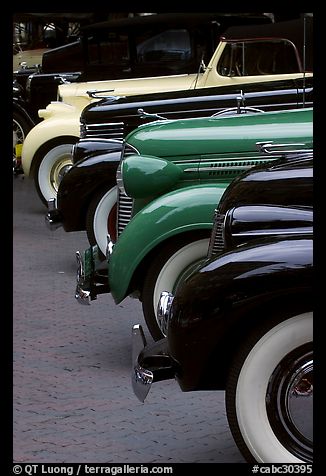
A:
<point x="242" y="322"/>
<point x="244" y="55"/>
<point x="84" y="198"/>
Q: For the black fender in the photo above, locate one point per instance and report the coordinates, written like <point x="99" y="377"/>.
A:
<point x="87" y="177"/>
<point x="220" y="303"/>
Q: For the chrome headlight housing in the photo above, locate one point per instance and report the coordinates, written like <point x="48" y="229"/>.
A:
<point x="127" y="150"/>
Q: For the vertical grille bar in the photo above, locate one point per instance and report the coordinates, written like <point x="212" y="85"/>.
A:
<point x="125" y="205"/>
<point x="216" y="242"/>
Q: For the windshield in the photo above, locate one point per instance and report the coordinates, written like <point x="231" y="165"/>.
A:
<point x="259" y="57"/>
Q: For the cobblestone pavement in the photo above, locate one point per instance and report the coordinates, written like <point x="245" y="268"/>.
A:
<point x="73" y="400"/>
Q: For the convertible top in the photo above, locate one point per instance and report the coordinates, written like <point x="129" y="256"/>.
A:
<point x="299" y="31"/>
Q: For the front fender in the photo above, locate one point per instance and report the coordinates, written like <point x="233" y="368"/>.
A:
<point x="177" y="212"/>
<point x="82" y="181"/>
<point x="64" y="121"/>
<point x="231" y="294"/>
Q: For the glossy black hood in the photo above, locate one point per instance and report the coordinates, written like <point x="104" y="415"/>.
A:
<point x="203" y="101"/>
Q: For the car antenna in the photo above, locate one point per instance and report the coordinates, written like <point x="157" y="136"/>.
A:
<point x="201" y="66"/>
<point x="305" y="15"/>
<point x="304" y="62"/>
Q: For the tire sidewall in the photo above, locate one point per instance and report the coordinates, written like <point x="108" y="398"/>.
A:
<point x="164" y="273"/>
<point x="43" y="172"/>
<point x="98" y="218"/>
<point x="252" y="384"/>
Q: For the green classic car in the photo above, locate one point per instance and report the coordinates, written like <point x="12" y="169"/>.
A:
<point x="170" y="177"/>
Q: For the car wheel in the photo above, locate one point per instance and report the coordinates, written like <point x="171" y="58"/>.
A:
<point x="20" y="129"/>
<point x="269" y="394"/>
<point x="173" y="264"/>
<point x="101" y="219"/>
<point x="50" y="169"/>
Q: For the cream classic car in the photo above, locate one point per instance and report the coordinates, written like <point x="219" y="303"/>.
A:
<point x="244" y="54"/>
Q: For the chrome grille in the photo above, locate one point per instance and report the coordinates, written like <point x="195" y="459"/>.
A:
<point x="109" y="130"/>
<point x="216" y="242"/>
<point x="125" y="205"/>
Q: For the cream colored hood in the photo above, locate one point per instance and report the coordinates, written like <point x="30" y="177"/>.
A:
<point x="69" y="93"/>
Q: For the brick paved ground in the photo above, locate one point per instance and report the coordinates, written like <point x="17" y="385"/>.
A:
<point x="73" y="400"/>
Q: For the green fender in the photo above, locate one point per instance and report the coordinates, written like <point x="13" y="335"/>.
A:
<point x="180" y="211"/>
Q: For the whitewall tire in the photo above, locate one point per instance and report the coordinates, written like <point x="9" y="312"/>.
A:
<point x="269" y="394"/>
<point x="167" y="271"/>
<point x="55" y="163"/>
<point x="99" y="214"/>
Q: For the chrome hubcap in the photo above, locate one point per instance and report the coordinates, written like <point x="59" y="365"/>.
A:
<point x="289" y="402"/>
<point x="58" y="171"/>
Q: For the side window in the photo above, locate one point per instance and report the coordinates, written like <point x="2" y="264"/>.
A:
<point x="262" y="57"/>
<point x="111" y="48"/>
<point x="167" y="46"/>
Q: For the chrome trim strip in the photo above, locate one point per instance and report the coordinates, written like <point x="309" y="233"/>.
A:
<point x="103" y="124"/>
<point x="271" y="148"/>
<point x="213" y="158"/>
<point x="285" y="231"/>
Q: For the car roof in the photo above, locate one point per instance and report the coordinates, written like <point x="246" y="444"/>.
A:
<point x="172" y="19"/>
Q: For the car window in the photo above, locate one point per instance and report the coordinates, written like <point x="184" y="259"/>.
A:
<point x="110" y="48"/>
<point x="167" y="46"/>
<point x="260" y="57"/>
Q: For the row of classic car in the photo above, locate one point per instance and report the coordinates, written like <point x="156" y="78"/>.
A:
<point x="169" y="178"/>
<point x="234" y="304"/>
<point x="227" y="298"/>
<point x="47" y="149"/>
<point x="104" y="124"/>
<point x="242" y="322"/>
<point x="141" y="46"/>
<point x="255" y="283"/>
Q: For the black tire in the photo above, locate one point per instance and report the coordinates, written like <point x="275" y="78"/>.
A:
<point x="101" y="210"/>
<point x="174" y="262"/>
<point x="269" y="392"/>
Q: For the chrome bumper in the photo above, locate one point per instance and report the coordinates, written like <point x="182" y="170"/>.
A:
<point x="53" y="218"/>
<point x="150" y="363"/>
<point x="91" y="276"/>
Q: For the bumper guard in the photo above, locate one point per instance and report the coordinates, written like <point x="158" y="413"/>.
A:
<point x="53" y="218"/>
<point x="150" y="363"/>
<point x="91" y="277"/>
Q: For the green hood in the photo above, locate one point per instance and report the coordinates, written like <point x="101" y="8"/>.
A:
<point x="229" y="134"/>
